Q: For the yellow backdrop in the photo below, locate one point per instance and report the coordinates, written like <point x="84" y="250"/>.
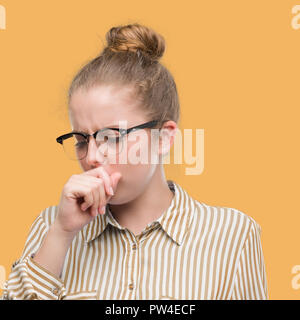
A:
<point x="237" y="67"/>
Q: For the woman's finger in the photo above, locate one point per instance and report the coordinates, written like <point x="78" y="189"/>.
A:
<point x="96" y="195"/>
<point x="107" y="180"/>
<point x="103" y="200"/>
<point x="100" y="172"/>
<point x="88" y="197"/>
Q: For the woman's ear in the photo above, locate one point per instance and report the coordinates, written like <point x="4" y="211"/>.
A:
<point x="167" y="137"/>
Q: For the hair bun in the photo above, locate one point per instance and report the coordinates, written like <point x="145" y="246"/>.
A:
<point x="136" y="38"/>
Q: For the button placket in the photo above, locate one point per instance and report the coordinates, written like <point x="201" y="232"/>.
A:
<point x="58" y="291"/>
<point x="134" y="246"/>
<point x="131" y="286"/>
<point x="55" y="291"/>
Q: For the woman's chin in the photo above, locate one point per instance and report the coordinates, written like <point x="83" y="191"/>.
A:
<point x="118" y="199"/>
<point x="115" y="200"/>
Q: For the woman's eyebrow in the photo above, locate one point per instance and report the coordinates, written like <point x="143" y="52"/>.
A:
<point x="108" y="126"/>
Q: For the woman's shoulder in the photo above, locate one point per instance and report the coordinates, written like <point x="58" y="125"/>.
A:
<point x="227" y="215"/>
<point x="38" y="230"/>
<point x="215" y="215"/>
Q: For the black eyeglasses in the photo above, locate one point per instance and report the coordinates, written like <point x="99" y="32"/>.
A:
<point x="110" y="140"/>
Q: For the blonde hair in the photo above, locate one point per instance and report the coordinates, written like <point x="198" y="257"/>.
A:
<point x="131" y="58"/>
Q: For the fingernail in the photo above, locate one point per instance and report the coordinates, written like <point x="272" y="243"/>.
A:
<point x="103" y="209"/>
<point x="111" y="191"/>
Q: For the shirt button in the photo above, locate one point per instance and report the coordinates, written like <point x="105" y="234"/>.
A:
<point x="55" y="290"/>
<point x="131" y="286"/>
<point x="134" y="246"/>
<point x="15" y="263"/>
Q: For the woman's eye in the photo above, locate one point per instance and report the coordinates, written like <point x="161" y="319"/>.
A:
<point x="80" y="145"/>
<point x="114" y="139"/>
<point x="111" y="137"/>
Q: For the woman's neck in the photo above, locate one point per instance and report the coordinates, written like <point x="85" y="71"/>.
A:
<point x="149" y="206"/>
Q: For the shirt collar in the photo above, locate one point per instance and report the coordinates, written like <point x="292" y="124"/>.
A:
<point x="175" y="221"/>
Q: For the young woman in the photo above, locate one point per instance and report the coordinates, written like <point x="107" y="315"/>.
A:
<point x="121" y="230"/>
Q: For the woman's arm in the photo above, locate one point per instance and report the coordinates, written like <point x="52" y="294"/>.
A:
<point x="29" y="280"/>
<point x="56" y="244"/>
<point x="250" y="279"/>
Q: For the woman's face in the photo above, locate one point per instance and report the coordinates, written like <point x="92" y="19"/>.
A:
<point x="104" y="106"/>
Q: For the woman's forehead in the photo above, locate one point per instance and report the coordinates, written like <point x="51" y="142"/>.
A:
<point x="104" y="95"/>
<point x="103" y="107"/>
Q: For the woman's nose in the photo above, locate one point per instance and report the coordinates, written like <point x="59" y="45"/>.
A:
<point x="94" y="156"/>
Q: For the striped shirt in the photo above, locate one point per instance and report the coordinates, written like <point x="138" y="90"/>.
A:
<point x="192" y="251"/>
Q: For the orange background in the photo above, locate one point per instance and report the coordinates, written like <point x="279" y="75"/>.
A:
<point x="236" y="64"/>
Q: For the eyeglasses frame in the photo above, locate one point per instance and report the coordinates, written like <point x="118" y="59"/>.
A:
<point x="122" y="131"/>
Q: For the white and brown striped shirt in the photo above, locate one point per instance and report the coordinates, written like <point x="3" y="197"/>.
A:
<point x="192" y="251"/>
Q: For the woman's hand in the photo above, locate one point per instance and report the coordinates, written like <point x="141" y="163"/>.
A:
<point x="83" y="197"/>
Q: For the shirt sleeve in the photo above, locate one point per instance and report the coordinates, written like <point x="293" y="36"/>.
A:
<point x="250" y="280"/>
<point x="28" y="280"/>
